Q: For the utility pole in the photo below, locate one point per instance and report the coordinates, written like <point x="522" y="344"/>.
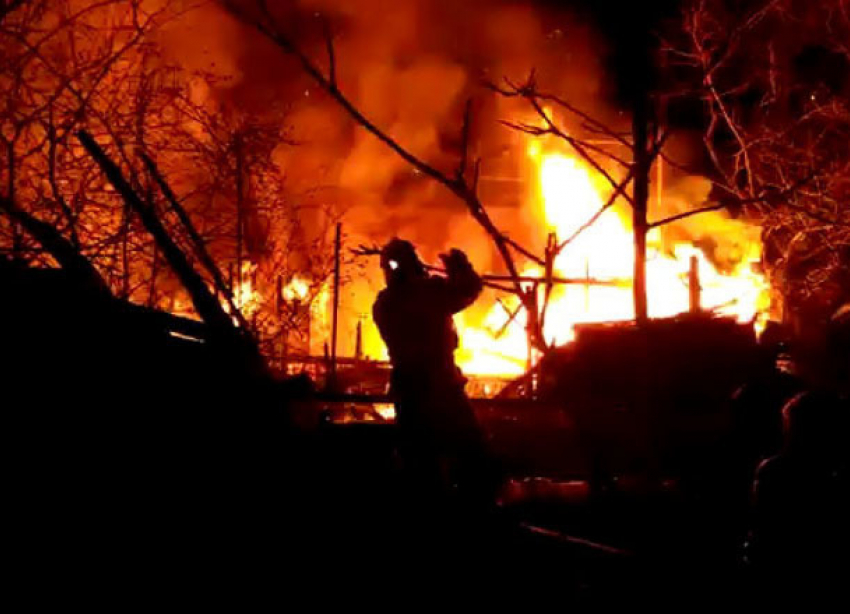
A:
<point x="17" y="241"/>
<point x="694" y="288"/>
<point x="335" y="320"/>
<point x="640" y="130"/>
<point x="284" y="330"/>
<point x="358" y="341"/>
<point x="639" y="81"/>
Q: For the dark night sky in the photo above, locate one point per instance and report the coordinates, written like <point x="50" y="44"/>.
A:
<point x="627" y="26"/>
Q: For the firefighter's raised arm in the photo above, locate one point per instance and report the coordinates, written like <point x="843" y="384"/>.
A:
<point x="463" y="285"/>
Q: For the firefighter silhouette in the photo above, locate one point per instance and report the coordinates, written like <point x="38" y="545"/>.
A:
<point x="441" y="442"/>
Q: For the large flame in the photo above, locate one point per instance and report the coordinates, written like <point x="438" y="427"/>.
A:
<point x="297" y="289"/>
<point x="567" y="195"/>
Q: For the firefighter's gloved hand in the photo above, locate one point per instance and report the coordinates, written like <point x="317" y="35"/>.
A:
<point x="456" y="262"/>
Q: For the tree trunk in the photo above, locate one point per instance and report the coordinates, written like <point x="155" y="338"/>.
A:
<point x="17" y="242"/>
<point x="240" y="218"/>
<point x="640" y="130"/>
<point x="154" y="273"/>
<point x="125" y="253"/>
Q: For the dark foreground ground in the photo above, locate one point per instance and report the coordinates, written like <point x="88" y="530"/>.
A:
<point x="144" y="470"/>
<point x="647" y="541"/>
<point x="152" y="503"/>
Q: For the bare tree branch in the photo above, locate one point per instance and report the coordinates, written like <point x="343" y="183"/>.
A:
<point x="457" y="185"/>
<point x="529" y="93"/>
<point x="65" y="253"/>
<point x="205" y="303"/>
<point x="618" y="191"/>
<point x="198" y="242"/>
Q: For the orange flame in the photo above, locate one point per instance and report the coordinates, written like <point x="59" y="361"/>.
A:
<point x="245" y="295"/>
<point x="297" y="289"/>
<point x="568" y="195"/>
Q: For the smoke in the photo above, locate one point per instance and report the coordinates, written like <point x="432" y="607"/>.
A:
<point x="411" y="66"/>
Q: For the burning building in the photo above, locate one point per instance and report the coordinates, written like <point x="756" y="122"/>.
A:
<point x="265" y="160"/>
<point x="642" y="184"/>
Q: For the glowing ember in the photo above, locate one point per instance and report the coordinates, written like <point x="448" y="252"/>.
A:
<point x="385" y="410"/>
